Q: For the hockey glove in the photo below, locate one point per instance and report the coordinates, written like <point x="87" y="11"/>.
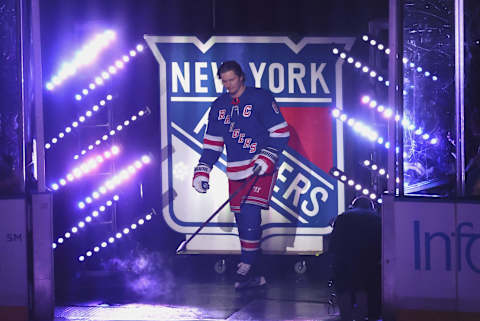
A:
<point x="265" y="160"/>
<point x="201" y="175"/>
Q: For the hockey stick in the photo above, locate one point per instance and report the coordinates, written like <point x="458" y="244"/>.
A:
<point x="182" y="245"/>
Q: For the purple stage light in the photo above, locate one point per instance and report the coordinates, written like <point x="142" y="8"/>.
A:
<point x="110" y="71"/>
<point x="85" y="167"/>
<point x="116" y="180"/>
<point x="81" y="225"/>
<point x="359" y="127"/>
<point x="75" y="124"/>
<point x="358" y="64"/>
<point x="83" y="57"/>
<point x="342" y="177"/>
<point x="112" y="132"/>
<point x="117" y="236"/>
<point x="374" y="168"/>
<point x="387" y="113"/>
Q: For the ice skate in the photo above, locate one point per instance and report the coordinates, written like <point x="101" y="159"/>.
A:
<point x="246" y="278"/>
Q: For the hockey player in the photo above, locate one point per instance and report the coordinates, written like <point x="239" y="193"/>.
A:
<point x="248" y="122"/>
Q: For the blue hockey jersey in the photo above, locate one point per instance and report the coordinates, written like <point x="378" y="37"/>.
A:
<point x="245" y="125"/>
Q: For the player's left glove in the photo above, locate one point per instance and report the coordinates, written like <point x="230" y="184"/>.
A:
<point x="265" y="160"/>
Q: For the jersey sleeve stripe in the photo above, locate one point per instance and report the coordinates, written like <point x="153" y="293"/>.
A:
<point x="278" y="127"/>
<point x="278" y="135"/>
<point x="217" y="148"/>
<point x="238" y="175"/>
<point x="233" y="169"/>
<point x="239" y="163"/>
<point x="282" y="130"/>
<point x="213" y="138"/>
<point x="212" y="142"/>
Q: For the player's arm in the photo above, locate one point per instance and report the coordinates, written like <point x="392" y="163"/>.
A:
<point x="212" y="149"/>
<point x="277" y="127"/>
<point x="276" y="137"/>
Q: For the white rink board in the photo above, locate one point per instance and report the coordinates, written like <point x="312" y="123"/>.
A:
<point x="436" y="255"/>
<point x="13" y="253"/>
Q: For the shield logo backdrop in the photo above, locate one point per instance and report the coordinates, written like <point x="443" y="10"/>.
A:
<point x="306" y="81"/>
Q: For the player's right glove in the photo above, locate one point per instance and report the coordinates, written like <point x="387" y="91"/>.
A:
<point x="201" y="175"/>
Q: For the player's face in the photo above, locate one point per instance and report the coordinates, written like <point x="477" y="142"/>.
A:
<point x="233" y="83"/>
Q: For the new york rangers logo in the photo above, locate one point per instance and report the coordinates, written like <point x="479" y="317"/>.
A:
<point x="305" y="82"/>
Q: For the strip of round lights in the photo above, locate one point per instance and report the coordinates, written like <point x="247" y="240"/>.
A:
<point x="83" y="57"/>
<point x="360" y="128"/>
<point x="387" y="113"/>
<point x="115" y="238"/>
<point x="361" y="66"/>
<point x="81" y="119"/>
<point x="112" y="183"/>
<point x="379" y="46"/>
<point x="83" y="223"/>
<point x="342" y="177"/>
<point x="377" y="169"/>
<point x="118" y="127"/>
<point x="86" y="167"/>
<point x="110" y="71"/>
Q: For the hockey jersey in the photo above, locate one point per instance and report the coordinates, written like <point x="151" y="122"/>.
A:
<point x="245" y="125"/>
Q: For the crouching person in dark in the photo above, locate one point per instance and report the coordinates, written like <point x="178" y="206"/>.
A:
<point x="355" y="247"/>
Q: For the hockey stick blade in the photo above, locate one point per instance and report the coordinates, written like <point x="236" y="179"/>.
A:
<point x="181" y="247"/>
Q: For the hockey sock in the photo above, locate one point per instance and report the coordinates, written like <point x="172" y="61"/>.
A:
<point x="250" y="232"/>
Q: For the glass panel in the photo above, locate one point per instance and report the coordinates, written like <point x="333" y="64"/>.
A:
<point x="472" y="97"/>
<point x="429" y="97"/>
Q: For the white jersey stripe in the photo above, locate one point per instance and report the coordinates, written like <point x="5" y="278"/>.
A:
<point x="236" y="176"/>
<point x="214" y="138"/>
<point x="213" y="147"/>
<point x="250" y="241"/>
<point x="239" y="163"/>
<point x="278" y="135"/>
<point x="278" y="126"/>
